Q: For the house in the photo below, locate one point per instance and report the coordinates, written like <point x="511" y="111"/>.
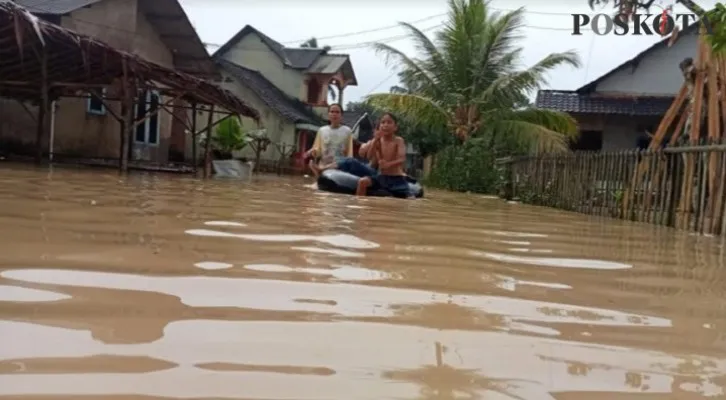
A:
<point x="619" y="109"/>
<point x="158" y="31"/>
<point x="288" y="85"/>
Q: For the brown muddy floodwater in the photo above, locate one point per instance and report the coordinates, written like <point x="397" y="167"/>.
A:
<point x="152" y="287"/>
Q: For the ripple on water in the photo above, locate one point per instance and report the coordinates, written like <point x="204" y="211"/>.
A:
<point x="342" y="240"/>
<point x="224" y="223"/>
<point x="461" y="359"/>
<point x="353" y="300"/>
<point x="342" y="272"/>
<point x="553" y="262"/>
<point x="526" y="250"/>
<point x="510" y="284"/>
<point x="21" y="294"/>
<point x="334" y="252"/>
<point x="213" y="265"/>
<point x="515" y="234"/>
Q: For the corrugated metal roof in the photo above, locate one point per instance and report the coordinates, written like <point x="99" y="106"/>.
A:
<point x="57" y="7"/>
<point x="573" y="102"/>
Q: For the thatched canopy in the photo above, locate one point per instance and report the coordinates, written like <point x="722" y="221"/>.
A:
<point x="77" y="62"/>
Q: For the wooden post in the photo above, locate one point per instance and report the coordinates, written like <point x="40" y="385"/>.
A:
<point x="128" y="124"/>
<point x="208" y="144"/>
<point x="195" y="161"/>
<point x="42" y="106"/>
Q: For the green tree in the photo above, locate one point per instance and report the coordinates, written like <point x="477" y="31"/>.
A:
<point x="423" y="139"/>
<point x="467" y="82"/>
<point x="312" y="43"/>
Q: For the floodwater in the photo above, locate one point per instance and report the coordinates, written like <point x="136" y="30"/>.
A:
<point x="158" y="287"/>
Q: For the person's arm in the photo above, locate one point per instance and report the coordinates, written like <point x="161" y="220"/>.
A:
<point x="365" y="148"/>
<point x="400" y="155"/>
<point x="315" y="150"/>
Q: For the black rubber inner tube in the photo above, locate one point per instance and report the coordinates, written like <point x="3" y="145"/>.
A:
<point x="336" y="181"/>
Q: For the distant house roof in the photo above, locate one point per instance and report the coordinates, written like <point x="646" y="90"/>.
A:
<point x="589" y="87"/>
<point x="574" y="102"/>
<point x="312" y="60"/>
<point x="276" y="47"/>
<point x="332" y="63"/>
<point x="302" y="58"/>
<point x="168" y="19"/>
<point x="286" y="106"/>
<point x="55" y="7"/>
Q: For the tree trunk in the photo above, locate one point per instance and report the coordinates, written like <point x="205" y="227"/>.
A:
<point x="693" y="7"/>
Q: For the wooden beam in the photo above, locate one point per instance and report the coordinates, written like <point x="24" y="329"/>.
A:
<point x="42" y="107"/>
<point x="117" y="117"/>
<point x="155" y="112"/>
<point x="127" y="127"/>
<point x="208" y="144"/>
<point x="194" y="137"/>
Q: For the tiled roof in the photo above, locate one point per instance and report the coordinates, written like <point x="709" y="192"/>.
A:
<point x="328" y="64"/>
<point x="289" y="108"/>
<point x="312" y="60"/>
<point x="573" y="102"/>
<point x="57" y="7"/>
<point x="302" y="58"/>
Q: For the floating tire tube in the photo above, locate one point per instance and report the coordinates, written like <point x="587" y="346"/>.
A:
<point x="336" y="181"/>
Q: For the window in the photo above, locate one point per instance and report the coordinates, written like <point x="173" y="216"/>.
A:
<point x="588" y="141"/>
<point x="147" y="132"/>
<point x="94" y="105"/>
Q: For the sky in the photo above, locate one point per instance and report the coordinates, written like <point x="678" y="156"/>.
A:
<point x="338" y="23"/>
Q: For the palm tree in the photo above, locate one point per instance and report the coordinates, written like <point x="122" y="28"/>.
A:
<point x="631" y="6"/>
<point x="312" y="43"/>
<point x="467" y="80"/>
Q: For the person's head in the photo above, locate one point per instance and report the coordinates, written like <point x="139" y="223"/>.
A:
<point x="335" y="114"/>
<point x="388" y="124"/>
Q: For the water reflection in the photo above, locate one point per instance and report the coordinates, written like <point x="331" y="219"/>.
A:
<point x="552" y="262"/>
<point x="309" y="365"/>
<point x="178" y="288"/>
<point x="353" y="300"/>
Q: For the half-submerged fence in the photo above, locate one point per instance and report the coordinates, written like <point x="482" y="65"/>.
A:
<point x="682" y="187"/>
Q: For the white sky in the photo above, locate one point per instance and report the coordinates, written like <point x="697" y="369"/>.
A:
<point x="291" y="22"/>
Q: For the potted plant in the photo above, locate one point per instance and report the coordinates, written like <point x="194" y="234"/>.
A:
<point x="229" y="138"/>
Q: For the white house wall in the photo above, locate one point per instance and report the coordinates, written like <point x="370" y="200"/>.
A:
<point x="656" y="74"/>
<point x="251" y="52"/>
<point x="278" y="129"/>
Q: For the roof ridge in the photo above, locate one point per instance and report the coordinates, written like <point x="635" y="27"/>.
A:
<point x="296" y="104"/>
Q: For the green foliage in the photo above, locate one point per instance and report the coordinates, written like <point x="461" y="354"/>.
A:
<point x="717" y="20"/>
<point x="230" y="136"/>
<point x="467" y="81"/>
<point x="425" y="140"/>
<point x="467" y="167"/>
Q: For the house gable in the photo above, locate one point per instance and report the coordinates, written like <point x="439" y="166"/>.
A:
<point x="273" y="46"/>
<point x="253" y="51"/>
<point x="653" y="72"/>
<point x="149" y="45"/>
<point x="114" y="21"/>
